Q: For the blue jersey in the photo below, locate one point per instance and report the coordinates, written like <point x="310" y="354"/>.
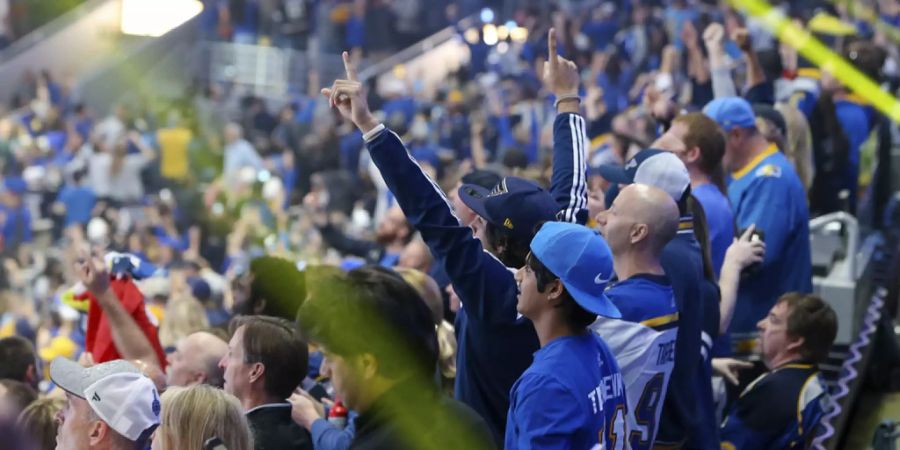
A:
<point x="780" y="409"/>
<point x="643" y="341"/>
<point x="857" y="119"/>
<point x="707" y="436"/>
<point x="495" y="344"/>
<point x="720" y="220"/>
<point x="768" y="193"/>
<point x="571" y="397"/>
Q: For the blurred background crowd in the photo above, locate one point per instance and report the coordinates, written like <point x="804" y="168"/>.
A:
<point x="220" y="191"/>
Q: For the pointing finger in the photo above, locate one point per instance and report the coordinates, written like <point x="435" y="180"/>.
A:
<point x="552" y="57"/>
<point x="348" y="66"/>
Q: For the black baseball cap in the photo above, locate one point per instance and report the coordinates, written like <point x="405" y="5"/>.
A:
<point x="515" y="204"/>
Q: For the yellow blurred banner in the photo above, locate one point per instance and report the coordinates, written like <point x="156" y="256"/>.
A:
<point x="820" y="55"/>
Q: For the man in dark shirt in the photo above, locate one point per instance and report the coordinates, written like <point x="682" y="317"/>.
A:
<point x="381" y="352"/>
<point x="266" y="361"/>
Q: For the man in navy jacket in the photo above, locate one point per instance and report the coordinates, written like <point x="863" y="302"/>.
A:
<point x="495" y="344"/>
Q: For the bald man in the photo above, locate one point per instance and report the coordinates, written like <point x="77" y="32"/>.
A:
<point x="196" y="360"/>
<point x="638" y="225"/>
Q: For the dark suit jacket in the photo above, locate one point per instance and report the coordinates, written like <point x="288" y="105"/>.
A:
<point x="273" y="429"/>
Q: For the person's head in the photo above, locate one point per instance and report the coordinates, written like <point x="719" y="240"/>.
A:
<point x="799" y="328"/>
<point x="38" y="420"/>
<point x="641" y="220"/>
<point x="266" y="360"/>
<point x="652" y="167"/>
<point x="393" y="228"/>
<point x="427" y="288"/>
<point x="196" y="360"/>
<point x="13" y="190"/>
<point x="233" y="132"/>
<point x="109" y="406"/>
<point x="15" y="396"/>
<point x="565" y="275"/>
<point x="184" y="315"/>
<point x="375" y="331"/>
<point x="272" y="286"/>
<point x="416" y="255"/>
<point x="19" y="360"/>
<point x="484" y="178"/>
<point x="735" y="116"/>
<point x="510" y="213"/>
<point x="704" y="143"/>
<point x="193" y="415"/>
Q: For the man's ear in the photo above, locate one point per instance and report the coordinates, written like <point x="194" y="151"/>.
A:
<point x="639" y="232"/>
<point x="795" y="344"/>
<point x="367" y="365"/>
<point x="31" y="376"/>
<point x="257" y="372"/>
<point x="260" y="306"/>
<point x="693" y="154"/>
<point x="98" y="431"/>
<point x="554" y="292"/>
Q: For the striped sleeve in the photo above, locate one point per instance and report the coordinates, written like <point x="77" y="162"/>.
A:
<point x="568" y="184"/>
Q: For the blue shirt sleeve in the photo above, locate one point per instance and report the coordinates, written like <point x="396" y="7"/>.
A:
<point x="568" y="184"/>
<point x="484" y="285"/>
<point x="326" y="436"/>
<point x="544" y="416"/>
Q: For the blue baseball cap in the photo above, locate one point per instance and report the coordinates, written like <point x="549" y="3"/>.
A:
<point x="582" y="261"/>
<point x="515" y="204"/>
<point x="15" y="185"/>
<point x="652" y="167"/>
<point x="731" y="112"/>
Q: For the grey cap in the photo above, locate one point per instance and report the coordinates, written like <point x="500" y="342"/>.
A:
<point x="75" y="378"/>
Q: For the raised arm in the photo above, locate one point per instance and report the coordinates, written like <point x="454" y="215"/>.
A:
<point x="568" y="184"/>
<point x="743" y="252"/>
<point x="476" y="275"/>
<point x="723" y="85"/>
<point x="755" y="73"/>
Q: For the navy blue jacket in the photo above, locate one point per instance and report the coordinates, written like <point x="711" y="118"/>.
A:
<point x="683" y="263"/>
<point x="495" y="345"/>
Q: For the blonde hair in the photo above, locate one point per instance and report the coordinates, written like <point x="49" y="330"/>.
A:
<point x="430" y="292"/>
<point x="798" y="143"/>
<point x="39" y="421"/>
<point x="193" y="415"/>
<point x="183" y="315"/>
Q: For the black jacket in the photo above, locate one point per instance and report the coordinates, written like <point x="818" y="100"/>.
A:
<point x="273" y="429"/>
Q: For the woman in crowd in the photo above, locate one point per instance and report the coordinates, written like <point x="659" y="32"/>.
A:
<point x="193" y="416"/>
<point x="38" y="420"/>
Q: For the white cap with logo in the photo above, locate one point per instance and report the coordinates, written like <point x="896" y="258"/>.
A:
<point x="117" y="391"/>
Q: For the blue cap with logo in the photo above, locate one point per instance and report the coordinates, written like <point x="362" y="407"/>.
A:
<point x="515" y="205"/>
<point x="583" y="262"/>
<point x="731" y="112"/>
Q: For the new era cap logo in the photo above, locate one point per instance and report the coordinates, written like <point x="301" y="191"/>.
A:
<point x="631" y="164"/>
<point x="508" y="223"/>
<point x="600" y="280"/>
<point x="96" y="397"/>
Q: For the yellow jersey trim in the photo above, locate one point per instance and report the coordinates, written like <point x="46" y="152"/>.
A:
<point x="661" y="320"/>
<point x="771" y="150"/>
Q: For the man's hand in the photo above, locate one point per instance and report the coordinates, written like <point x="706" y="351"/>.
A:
<point x="741" y="37"/>
<point x="560" y="75"/>
<point x="729" y="368"/>
<point x="349" y="98"/>
<point x="93" y="274"/>
<point x="304" y="409"/>
<point x="713" y="35"/>
<point x="745" y="251"/>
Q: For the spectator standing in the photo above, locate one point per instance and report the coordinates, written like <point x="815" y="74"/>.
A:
<point x="381" y="353"/>
<point x="174" y="141"/>
<point x="238" y="153"/>
<point x="108" y="406"/>
<point x="782" y="408"/>
<point x="15" y="218"/>
<point x="195" y="360"/>
<point x="765" y="191"/>
<point x="266" y="361"/>
<point x="191" y="416"/>
<point x="495" y="345"/>
<point x="393" y="234"/>
<point x="641" y="221"/>
<point x="77" y="201"/>
<point x="701" y="146"/>
<point x="19" y="360"/>
<point x="572" y="395"/>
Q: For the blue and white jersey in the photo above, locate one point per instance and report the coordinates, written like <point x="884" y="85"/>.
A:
<point x="643" y="341"/>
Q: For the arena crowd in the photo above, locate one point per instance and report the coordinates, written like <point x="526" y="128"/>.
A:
<point x="593" y="237"/>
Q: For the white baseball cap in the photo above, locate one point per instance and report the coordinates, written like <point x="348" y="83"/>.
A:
<point x="652" y="167"/>
<point x="117" y="391"/>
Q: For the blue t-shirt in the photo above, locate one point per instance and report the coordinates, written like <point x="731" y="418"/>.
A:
<point x="570" y="396"/>
<point x="16" y="226"/>
<point x="79" y="202"/>
<point x="768" y="193"/>
<point x="719" y="219"/>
